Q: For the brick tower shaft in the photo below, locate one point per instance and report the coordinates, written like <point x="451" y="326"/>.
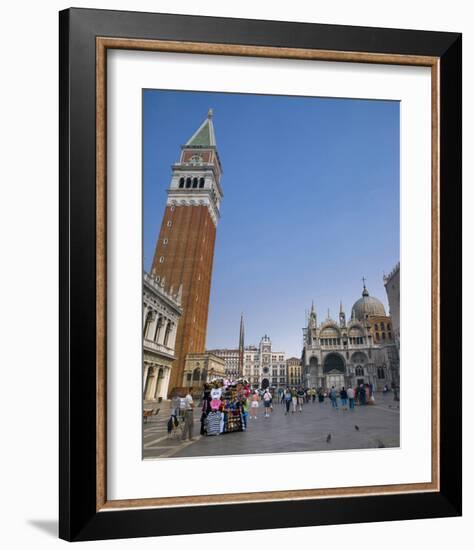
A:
<point x="184" y="251"/>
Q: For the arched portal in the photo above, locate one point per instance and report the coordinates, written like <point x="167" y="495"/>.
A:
<point x="334" y="369"/>
<point x="265" y="383"/>
<point x="334" y="362"/>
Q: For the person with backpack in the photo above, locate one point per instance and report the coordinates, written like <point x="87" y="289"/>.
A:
<point x="267" y="402"/>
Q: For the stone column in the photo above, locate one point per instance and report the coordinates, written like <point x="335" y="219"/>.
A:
<point x="151" y="391"/>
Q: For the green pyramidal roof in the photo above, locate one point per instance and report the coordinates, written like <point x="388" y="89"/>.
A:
<point x="204" y="135"/>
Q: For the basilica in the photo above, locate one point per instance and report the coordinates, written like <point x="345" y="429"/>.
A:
<point x="359" y="351"/>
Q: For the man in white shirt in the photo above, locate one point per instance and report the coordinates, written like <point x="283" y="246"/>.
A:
<point x="351" y="397"/>
<point x="188" y="417"/>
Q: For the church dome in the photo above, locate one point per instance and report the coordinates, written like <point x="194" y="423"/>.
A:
<point x="367" y="305"/>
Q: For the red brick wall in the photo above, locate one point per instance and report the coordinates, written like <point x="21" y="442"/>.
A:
<point x="188" y="259"/>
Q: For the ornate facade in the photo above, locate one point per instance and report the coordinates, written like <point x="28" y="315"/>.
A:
<point x="340" y="353"/>
<point x="185" y="248"/>
<point x="263" y="366"/>
<point x="161" y="314"/>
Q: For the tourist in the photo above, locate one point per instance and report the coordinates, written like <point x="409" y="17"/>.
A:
<point x="294" y="399"/>
<point x="361" y="395"/>
<point x="175" y="404"/>
<point x="206" y="409"/>
<point x="343" y="396"/>
<point x="288" y="398"/>
<point x="245" y="412"/>
<point x="313" y="394"/>
<point x="188" y="417"/>
<point x="333" y="397"/>
<point x="267" y="402"/>
<point x="320" y="395"/>
<point x="301" y="396"/>
<point x="351" y="397"/>
<point x="254" y="405"/>
<point x="281" y="397"/>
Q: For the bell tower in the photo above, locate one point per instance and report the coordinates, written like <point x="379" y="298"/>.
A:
<point x="184" y="251"/>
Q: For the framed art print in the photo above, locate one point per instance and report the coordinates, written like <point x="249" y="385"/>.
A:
<point x="260" y="274"/>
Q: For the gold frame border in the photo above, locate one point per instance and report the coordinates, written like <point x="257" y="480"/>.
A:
<point x="102" y="45"/>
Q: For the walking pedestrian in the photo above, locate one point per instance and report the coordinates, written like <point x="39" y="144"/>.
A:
<point x="333" y="397"/>
<point x="188" y="417"/>
<point x="351" y="397"/>
<point x="245" y="412"/>
<point x="343" y="395"/>
<point x="288" y="398"/>
<point x="300" y="396"/>
<point x="254" y="405"/>
<point x="294" y="399"/>
<point x="320" y="395"/>
<point x="362" y="397"/>
<point x="267" y="402"/>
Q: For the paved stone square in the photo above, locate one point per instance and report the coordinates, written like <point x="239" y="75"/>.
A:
<point x="379" y="426"/>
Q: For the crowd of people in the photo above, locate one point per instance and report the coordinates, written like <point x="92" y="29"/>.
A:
<point x="227" y="406"/>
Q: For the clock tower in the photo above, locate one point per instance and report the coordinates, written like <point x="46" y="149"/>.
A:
<point x="185" y="249"/>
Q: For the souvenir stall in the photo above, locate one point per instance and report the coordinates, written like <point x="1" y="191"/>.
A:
<point x="223" y="408"/>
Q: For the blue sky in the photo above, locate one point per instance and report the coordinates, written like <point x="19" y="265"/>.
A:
<point x="311" y="204"/>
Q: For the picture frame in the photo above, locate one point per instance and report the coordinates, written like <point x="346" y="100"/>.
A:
<point x="85" y="512"/>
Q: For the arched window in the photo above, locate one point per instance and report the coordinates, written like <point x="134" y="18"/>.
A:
<point x="167" y="333"/>
<point x="195" y="183"/>
<point x="380" y="372"/>
<point x="382" y="326"/>
<point x="201" y="183"/>
<point x="148" y="320"/>
<point x="376" y="326"/>
<point x="196" y="374"/>
<point x="359" y="371"/>
<point x="181" y="183"/>
<point x="389" y="326"/>
<point x="390" y="335"/>
<point x="188" y="183"/>
<point x="377" y="336"/>
<point x="383" y="335"/>
<point x="159" y="324"/>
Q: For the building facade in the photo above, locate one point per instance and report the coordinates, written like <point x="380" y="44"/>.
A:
<point x="340" y="353"/>
<point x="263" y="366"/>
<point x="201" y="368"/>
<point x="392" y="288"/>
<point x="161" y="315"/>
<point x="231" y="358"/>
<point x="185" y="249"/>
<point x="293" y="368"/>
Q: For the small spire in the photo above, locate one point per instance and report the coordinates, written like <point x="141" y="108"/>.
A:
<point x="210" y="113"/>
<point x="329" y="314"/>
<point x="340" y="308"/>
<point x="312" y="307"/>
<point x="365" y="292"/>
